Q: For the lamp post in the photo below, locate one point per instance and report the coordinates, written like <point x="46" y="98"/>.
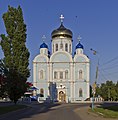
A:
<point x="96" y="77"/>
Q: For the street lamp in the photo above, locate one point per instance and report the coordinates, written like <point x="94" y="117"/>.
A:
<point x="96" y="77"/>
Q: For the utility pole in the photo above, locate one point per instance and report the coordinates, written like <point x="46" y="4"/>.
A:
<point x="96" y="77"/>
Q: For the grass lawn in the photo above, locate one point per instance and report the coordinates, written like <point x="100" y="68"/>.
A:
<point x="6" y="109"/>
<point x="109" y="112"/>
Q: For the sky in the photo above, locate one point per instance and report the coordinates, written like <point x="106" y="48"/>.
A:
<point x="96" y="21"/>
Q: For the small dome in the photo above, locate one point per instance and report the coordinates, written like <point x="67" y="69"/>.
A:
<point x="62" y="31"/>
<point x="79" y="45"/>
<point x="43" y="45"/>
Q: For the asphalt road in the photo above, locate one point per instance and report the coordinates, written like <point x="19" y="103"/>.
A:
<point x="45" y="112"/>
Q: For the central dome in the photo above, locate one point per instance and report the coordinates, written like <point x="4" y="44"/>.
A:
<point x="62" y="31"/>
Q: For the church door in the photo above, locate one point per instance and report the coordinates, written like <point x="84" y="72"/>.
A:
<point x="62" y="96"/>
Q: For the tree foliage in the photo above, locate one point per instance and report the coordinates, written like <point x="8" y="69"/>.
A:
<point x="16" y="55"/>
<point x="108" y="90"/>
<point x="2" y="80"/>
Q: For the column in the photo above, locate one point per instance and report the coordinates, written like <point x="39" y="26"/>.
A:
<point x="35" y="76"/>
<point x="68" y="48"/>
<point x="71" y="80"/>
<point x="74" y="82"/>
<point x="87" y="78"/>
<point x="48" y="75"/>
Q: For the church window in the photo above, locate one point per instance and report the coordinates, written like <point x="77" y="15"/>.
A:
<point x="45" y="51"/>
<point x="61" y="75"/>
<point x="56" y="47"/>
<point x="41" y="92"/>
<point x="70" y="48"/>
<point x="55" y="75"/>
<point x="80" y="74"/>
<point x="66" y="74"/>
<point x="41" y="74"/>
<point x="80" y="92"/>
<point x="53" y="47"/>
<point x="66" y="47"/>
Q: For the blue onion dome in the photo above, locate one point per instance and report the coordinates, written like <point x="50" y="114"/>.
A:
<point x="43" y="45"/>
<point x="79" y="45"/>
<point x="62" y="31"/>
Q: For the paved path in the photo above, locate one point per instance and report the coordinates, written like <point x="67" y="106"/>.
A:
<point x="59" y="112"/>
<point x="44" y="112"/>
<point x="53" y="112"/>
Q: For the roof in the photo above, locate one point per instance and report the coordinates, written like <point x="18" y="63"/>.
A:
<point x="61" y="31"/>
<point x="79" y="45"/>
<point x="43" y="45"/>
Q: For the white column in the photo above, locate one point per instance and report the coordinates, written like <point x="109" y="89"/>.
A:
<point x="53" y="47"/>
<point x="35" y="76"/>
<point x="71" y="80"/>
<point x="34" y="73"/>
<point x="68" y="48"/>
<point x="87" y="79"/>
<point x="50" y="72"/>
<point x="48" y="75"/>
<point x="74" y="80"/>
<point x="64" y="46"/>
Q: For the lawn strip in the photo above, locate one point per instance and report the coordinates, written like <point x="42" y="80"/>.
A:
<point x="108" y="112"/>
<point x="10" y="108"/>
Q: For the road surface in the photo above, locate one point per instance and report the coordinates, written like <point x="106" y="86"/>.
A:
<point x="45" y="112"/>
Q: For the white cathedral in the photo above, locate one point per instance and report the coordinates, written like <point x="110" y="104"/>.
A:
<point x="59" y="75"/>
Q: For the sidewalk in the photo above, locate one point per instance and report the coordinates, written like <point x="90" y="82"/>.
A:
<point x="84" y="114"/>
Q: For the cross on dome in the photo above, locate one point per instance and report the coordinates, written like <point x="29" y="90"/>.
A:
<point x="61" y="18"/>
<point x="79" y="38"/>
<point x="43" y="38"/>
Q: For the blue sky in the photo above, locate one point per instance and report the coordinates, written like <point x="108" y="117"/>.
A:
<point x="96" y="21"/>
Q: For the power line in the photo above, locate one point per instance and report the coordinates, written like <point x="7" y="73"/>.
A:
<point x="109" y="67"/>
<point x="113" y="59"/>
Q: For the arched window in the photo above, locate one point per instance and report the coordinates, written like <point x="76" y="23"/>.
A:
<point x="80" y="74"/>
<point x="66" y="47"/>
<point x="61" y="75"/>
<point x="55" y="75"/>
<point x="70" y="48"/>
<point x="41" y="92"/>
<point x="66" y="74"/>
<point x="56" y="47"/>
<point x="41" y="74"/>
<point x="80" y="92"/>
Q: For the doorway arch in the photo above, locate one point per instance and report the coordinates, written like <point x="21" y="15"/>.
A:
<point x="62" y="96"/>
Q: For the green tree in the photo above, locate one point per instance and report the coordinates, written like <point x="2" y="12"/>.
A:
<point x="16" y="54"/>
<point x="98" y="91"/>
<point x="3" y="92"/>
<point x="104" y="91"/>
<point x="107" y="91"/>
<point x="116" y="88"/>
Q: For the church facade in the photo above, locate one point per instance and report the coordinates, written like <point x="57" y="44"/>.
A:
<point x="59" y="75"/>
